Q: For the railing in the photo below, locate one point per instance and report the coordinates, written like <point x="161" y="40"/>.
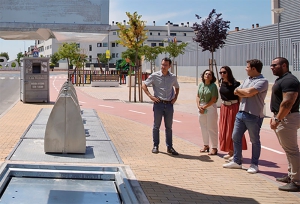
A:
<point x="87" y="76"/>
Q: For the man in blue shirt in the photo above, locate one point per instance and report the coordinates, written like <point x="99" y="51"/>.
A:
<point x="163" y="83"/>
<point x="252" y="92"/>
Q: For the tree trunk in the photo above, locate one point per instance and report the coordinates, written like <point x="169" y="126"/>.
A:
<point x="99" y="64"/>
<point x="135" y="75"/>
<point x="130" y="68"/>
<point x="211" y="66"/>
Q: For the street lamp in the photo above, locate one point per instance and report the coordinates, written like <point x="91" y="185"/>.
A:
<point x="278" y="11"/>
<point x="197" y="66"/>
<point x="197" y="44"/>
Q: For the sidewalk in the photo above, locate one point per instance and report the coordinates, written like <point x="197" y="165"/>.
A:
<point x="187" y="178"/>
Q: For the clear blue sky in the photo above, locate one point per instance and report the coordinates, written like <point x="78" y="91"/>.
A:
<point x="241" y="13"/>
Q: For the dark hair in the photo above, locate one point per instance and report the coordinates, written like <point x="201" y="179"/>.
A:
<point x="282" y="61"/>
<point x="230" y="77"/>
<point x="257" y="64"/>
<point x="212" y="74"/>
<point x="167" y="60"/>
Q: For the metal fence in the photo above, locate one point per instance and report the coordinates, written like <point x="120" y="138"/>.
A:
<point x="237" y="55"/>
<point x="87" y="76"/>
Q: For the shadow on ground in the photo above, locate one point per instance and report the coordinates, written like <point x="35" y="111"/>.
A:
<point x="155" y="190"/>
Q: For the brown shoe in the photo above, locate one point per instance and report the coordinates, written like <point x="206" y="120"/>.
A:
<point x="285" y="179"/>
<point x="214" y="151"/>
<point x="292" y="187"/>
<point x="205" y="149"/>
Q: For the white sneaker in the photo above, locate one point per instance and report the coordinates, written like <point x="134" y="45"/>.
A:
<point x="232" y="165"/>
<point x="231" y="158"/>
<point x="253" y="169"/>
<point x="227" y="156"/>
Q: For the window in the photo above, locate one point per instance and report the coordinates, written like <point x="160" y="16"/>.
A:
<point x="113" y="55"/>
<point x="184" y="34"/>
<point x="117" y="55"/>
<point x="90" y="48"/>
<point x="153" y="44"/>
<point x="172" y="34"/>
<point x="90" y="58"/>
<point x="114" y="33"/>
<point x="99" y="44"/>
<point x="113" y="44"/>
<point x="150" y="33"/>
<point x="161" y="44"/>
<point x="78" y="45"/>
<point x="104" y="44"/>
<point x="50" y="46"/>
<point x="158" y="34"/>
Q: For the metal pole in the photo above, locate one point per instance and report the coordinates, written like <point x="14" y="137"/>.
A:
<point x="278" y="33"/>
<point x="197" y="67"/>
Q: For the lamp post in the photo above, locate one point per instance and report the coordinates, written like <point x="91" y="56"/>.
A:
<point x="197" y="44"/>
<point x="197" y="66"/>
<point x="278" y="11"/>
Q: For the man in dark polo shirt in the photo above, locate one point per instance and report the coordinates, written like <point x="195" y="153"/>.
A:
<point x="166" y="90"/>
<point x="285" y="106"/>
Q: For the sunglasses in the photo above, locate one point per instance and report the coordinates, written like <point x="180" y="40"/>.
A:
<point x="223" y="72"/>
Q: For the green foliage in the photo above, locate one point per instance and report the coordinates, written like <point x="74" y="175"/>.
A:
<point x="151" y="53"/>
<point x="4" y="54"/>
<point x="54" y="58"/>
<point x="131" y="55"/>
<point x="174" y="49"/>
<point x="19" y="56"/>
<point x="79" y="60"/>
<point x="13" y="64"/>
<point x="133" y="36"/>
<point x="102" y="58"/>
<point x="68" y="51"/>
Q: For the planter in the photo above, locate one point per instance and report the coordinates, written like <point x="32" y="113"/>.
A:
<point x="132" y="80"/>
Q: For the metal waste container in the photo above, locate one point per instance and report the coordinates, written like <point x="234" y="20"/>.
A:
<point x="34" y="79"/>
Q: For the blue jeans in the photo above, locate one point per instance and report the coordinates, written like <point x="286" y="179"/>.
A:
<point x="163" y="110"/>
<point x="246" y="121"/>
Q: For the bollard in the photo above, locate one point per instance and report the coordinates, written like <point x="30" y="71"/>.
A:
<point x="64" y="130"/>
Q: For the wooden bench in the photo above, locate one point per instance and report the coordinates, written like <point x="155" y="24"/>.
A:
<point x="105" y="80"/>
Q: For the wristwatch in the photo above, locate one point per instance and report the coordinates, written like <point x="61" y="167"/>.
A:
<point x="276" y="120"/>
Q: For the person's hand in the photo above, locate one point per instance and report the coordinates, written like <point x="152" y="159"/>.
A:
<point x="273" y="124"/>
<point x="173" y="100"/>
<point x="201" y="109"/>
<point x="154" y="99"/>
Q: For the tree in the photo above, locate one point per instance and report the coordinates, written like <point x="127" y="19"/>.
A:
<point x="174" y="50"/>
<point x="54" y="58"/>
<point x="102" y="58"/>
<point x="19" y="56"/>
<point x="131" y="55"/>
<point x="151" y="53"/>
<point x="133" y="37"/>
<point x="68" y="51"/>
<point x="211" y="32"/>
<point x="4" y="54"/>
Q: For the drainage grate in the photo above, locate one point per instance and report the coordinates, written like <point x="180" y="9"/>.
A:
<point x="51" y="184"/>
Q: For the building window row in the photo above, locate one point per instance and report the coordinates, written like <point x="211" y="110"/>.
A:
<point x="171" y="34"/>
